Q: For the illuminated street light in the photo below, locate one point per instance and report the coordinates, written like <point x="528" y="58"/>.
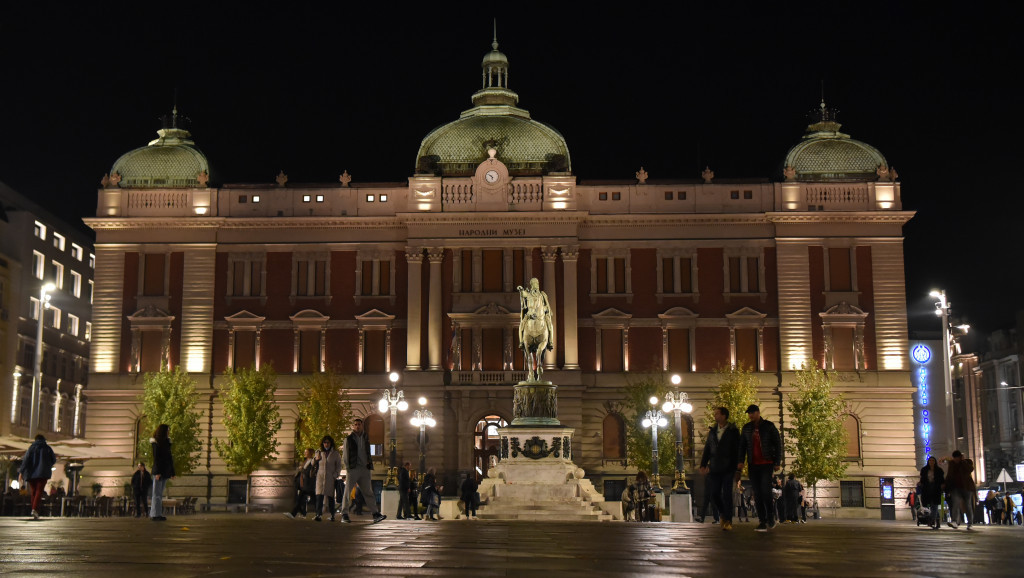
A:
<point x="422" y="418"/>
<point x="942" y="308"/>
<point x="395" y="401"/>
<point x="678" y="403"/>
<point x="37" y="377"/>
<point x="654" y="419"/>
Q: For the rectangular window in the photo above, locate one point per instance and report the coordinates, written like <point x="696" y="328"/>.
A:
<point x="367" y="288"/>
<point x="748" y="195"/>
<point x="311" y="278"/>
<point x="319" y="198"/>
<point x="242" y="199"/>
<point x="493" y="269"/>
<point x="734" y="195"/>
<point x="72" y="325"/>
<point x="383" y="198"/>
<point x="685" y="275"/>
<point x="668" y="275"/>
<point x="668" y="195"/>
<point x="491" y="342"/>
<point x="679" y="350"/>
<point x="38" y="265"/>
<point x="92" y="287"/>
<point x="852" y="494"/>
<point x="384" y="278"/>
<point x="842" y="349"/>
<point x="153" y="274"/>
<point x="601" y="271"/>
<point x="616" y="196"/>
<point x="744" y="274"/>
<point x="245" y="349"/>
<point x="734" y="274"/>
<point x="56" y="317"/>
<point x="255" y="198"/>
<point x="620" y="275"/>
<point x="467" y="271"/>
<point x="320" y="278"/>
<point x="611" y="350"/>
<point x="375" y="353"/>
<point x="88" y="331"/>
<point x="306" y="198"/>
<point x="40" y="230"/>
<point x="752" y="275"/>
<point x="151" y="351"/>
<point x="34" y="308"/>
<point x="238" y="278"/>
<point x="309" y="351"/>
<point x="92" y="261"/>
<point x="302" y="278"/>
<point x="839" y="271"/>
<point x="246" y="278"/>
<point x="602" y="196"/>
<point x="681" y="196"/>
<point x="58" y="241"/>
<point x="76" y="284"/>
<point x="58" y="274"/>
<point x="76" y="251"/>
<point x="746" y="349"/>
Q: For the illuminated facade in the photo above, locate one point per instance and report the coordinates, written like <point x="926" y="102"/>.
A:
<point x="37" y="248"/>
<point x="668" y="276"/>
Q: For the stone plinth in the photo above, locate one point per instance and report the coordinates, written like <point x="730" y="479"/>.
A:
<point x="535" y="403"/>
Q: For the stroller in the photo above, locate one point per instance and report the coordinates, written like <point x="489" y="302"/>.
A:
<point x="929" y="516"/>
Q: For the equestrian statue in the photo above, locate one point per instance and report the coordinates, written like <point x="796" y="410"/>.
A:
<point x="536" y="331"/>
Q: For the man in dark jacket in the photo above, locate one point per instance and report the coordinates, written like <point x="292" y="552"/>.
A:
<point x="358" y="463"/>
<point x="761" y="445"/>
<point x="961" y="489"/>
<point x="721" y="452"/>
<point x="305" y="487"/>
<point x="404" y="511"/>
<point x="36" y="468"/>
<point x="793" y="493"/>
<point x="142" y="484"/>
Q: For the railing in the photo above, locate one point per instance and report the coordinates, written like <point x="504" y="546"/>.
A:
<point x="488" y="377"/>
<point x="158" y="200"/>
<point x="526" y="194"/>
<point x="457" y="194"/>
<point x="837" y="196"/>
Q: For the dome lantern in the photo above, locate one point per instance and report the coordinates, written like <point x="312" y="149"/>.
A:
<point x="169" y="161"/>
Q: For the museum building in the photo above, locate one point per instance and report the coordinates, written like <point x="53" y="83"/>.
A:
<point x="645" y="278"/>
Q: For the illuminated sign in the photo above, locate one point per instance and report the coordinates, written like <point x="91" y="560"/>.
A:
<point x="922" y="355"/>
<point x="1020" y="472"/>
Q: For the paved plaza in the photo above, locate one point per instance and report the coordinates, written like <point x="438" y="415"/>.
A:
<point x="272" y="545"/>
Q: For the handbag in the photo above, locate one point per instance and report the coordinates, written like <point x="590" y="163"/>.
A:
<point x="435" y="499"/>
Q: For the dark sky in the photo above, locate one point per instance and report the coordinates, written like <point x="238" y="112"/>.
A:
<point x="315" y="89"/>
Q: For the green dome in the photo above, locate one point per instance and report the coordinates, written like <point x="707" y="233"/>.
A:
<point x="170" y="161"/>
<point x="825" y="154"/>
<point x="527" y="147"/>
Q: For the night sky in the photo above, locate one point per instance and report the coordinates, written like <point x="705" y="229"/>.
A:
<point x="315" y="90"/>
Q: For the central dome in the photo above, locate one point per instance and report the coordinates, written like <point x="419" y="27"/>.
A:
<point x="169" y="161"/>
<point x="825" y="154"/>
<point x="527" y="147"/>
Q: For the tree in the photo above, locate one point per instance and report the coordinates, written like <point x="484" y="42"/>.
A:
<point x="737" y="390"/>
<point x="252" y="420"/>
<point x="817" y="437"/>
<point x="324" y="409"/>
<point x="170" y="397"/>
<point x="638" y="438"/>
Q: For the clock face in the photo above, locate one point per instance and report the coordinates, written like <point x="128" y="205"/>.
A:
<point x="491" y="176"/>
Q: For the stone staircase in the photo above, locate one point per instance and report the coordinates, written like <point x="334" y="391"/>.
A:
<point x="541" y="491"/>
<point x="550" y="511"/>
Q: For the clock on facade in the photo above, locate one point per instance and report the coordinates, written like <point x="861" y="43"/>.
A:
<point x="491" y="176"/>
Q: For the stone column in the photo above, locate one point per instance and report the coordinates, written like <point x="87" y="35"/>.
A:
<point x="570" y="333"/>
<point x="549" y="255"/>
<point x="436" y="256"/>
<point x="414" y="260"/>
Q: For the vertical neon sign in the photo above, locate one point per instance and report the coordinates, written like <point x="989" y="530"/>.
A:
<point x="923" y="355"/>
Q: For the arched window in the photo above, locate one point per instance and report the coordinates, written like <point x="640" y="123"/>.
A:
<point x="486" y="441"/>
<point x="614" y="436"/>
<point x="852" y="427"/>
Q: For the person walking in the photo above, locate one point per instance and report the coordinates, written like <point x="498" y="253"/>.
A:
<point x="356" y="456"/>
<point x="36" y="468"/>
<point x="933" y="479"/>
<point x="470" y="497"/>
<point x="644" y="493"/>
<point x="430" y="495"/>
<point x="793" y="493"/>
<point x="305" y="489"/>
<point x="163" y="470"/>
<point x="142" y="484"/>
<point x="414" y="493"/>
<point x="961" y="489"/>
<point x="721" y="452"/>
<point x="404" y="482"/>
<point x="912" y="501"/>
<point x="761" y="445"/>
<point x="328" y="470"/>
<point x="742" y="514"/>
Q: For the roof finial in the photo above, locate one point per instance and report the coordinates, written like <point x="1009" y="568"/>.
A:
<point x="494" y="44"/>
<point x="174" y="110"/>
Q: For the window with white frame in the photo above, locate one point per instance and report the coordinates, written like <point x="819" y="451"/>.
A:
<point x="76" y="251"/>
<point x="678" y="326"/>
<point x="376" y="273"/>
<point x="611" y="332"/>
<point x="310" y="274"/>
<point x="40" y="230"/>
<point x="55" y="320"/>
<point x="746" y="338"/>
<point x="610" y="272"/>
<point x="92" y="289"/>
<point x="59" y="241"/>
<point x="843" y="330"/>
<point x="744" y="271"/>
<point x="677" y="271"/>
<point x="72" y="325"/>
<point x="92" y="261"/>
<point x="246" y="274"/>
<point x="38" y="265"/>
<point x="34" y="308"/>
<point x="88" y="331"/>
<point x="76" y="283"/>
<point x="58" y="274"/>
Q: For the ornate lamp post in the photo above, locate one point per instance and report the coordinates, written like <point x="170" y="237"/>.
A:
<point x="678" y="403"/>
<point x="422" y="418"/>
<point x="37" y="377"/>
<point x="395" y="401"/>
<point x="654" y="419"/>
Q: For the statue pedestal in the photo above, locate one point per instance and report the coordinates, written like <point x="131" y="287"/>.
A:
<point x="536" y="479"/>
<point x="535" y="403"/>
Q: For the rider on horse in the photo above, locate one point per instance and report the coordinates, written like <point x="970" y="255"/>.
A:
<point x="536" y="331"/>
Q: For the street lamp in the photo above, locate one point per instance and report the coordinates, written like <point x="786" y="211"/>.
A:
<point x="37" y="377"/>
<point x="942" y="307"/>
<point x="422" y="418"/>
<point x="678" y="403"/>
<point x="395" y="401"/>
<point x="654" y="419"/>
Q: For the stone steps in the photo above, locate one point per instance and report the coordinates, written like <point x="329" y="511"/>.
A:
<point x="577" y="510"/>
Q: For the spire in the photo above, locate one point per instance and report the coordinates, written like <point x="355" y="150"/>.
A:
<point x="494" y="89"/>
<point x="823" y="119"/>
<point x="494" y="43"/>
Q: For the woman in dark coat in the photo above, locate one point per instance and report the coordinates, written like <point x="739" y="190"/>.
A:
<point x="469" y="495"/>
<point x="932" y="480"/>
<point x="430" y="495"/>
<point x="163" y="470"/>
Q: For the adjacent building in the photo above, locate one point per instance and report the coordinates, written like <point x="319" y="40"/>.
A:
<point x="646" y="276"/>
<point x="36" y="249"/>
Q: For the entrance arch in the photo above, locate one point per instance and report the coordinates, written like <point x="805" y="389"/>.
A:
<point x="486" y="442"/>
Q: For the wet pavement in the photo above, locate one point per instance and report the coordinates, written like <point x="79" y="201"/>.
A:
<point x="273" y="545"/>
